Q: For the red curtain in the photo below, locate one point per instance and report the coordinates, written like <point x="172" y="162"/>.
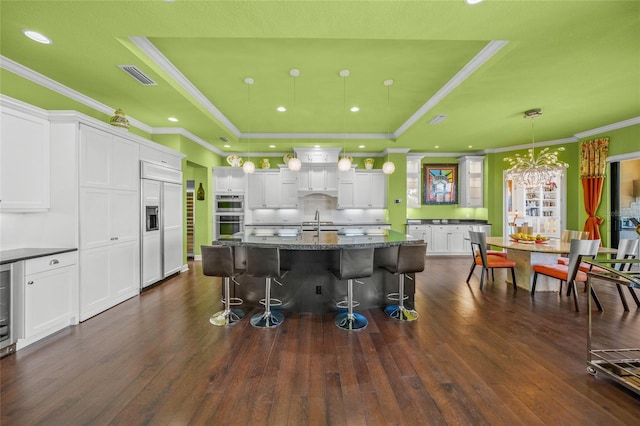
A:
<point x="592" y="187"/>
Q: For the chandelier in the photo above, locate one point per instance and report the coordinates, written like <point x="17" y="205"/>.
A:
<point x="531" y="170"/>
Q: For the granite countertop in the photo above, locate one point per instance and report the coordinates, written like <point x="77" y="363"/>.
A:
<point x="297" y="224"/>
<point x="447" y="222"/>
<point x="16" y="255"/>
<point x="329" y="240"/>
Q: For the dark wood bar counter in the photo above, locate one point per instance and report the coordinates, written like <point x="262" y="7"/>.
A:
<point x="309" y="286"/>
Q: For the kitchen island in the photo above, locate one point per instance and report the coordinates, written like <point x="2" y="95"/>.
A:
<point x="309" y="286"/>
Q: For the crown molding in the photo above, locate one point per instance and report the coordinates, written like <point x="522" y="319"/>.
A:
<point x="187" y="134"/>
<point x="608" y="128"/>
<point x="483" y="56"/>
<point x="159" y="59"/>
<point x="350" y="136"/>
<point x="44" y="81"/>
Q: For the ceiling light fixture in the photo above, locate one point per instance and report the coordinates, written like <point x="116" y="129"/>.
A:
<point x="36" y="36"/>
<point x="388" y="167"/>
<point x="472" y="2"/>
<point x="272" y="146"/>
<point x="345" y="162"/>
<point x="354" y="109"/>
<point x="248" y="167"/>
<point x="361" y="146"/>
<point x="294" y="164"/>
<point x="281" y="109"/>
<point x="531" y="171"/>
<point x="227" y="146"/>
<point x="173" y="119"/>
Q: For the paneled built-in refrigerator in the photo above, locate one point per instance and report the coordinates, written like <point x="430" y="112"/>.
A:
<point x="161" y="191"/>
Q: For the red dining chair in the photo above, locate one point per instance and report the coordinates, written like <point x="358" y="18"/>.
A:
<point x="570" y="273"/>
<point x="487" y="261"/>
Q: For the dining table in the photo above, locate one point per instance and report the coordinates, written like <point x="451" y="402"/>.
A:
<point x="529" y="253"/>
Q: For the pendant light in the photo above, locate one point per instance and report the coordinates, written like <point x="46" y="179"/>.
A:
<point x="248" y="167"/>
<point x="294" y="164"/>
<point x="531" y="171"/>
<point x="388" y="167"/>
<point x="345" y="162"/>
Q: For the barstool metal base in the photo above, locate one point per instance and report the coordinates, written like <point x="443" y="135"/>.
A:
<point x="267" y="319"/>
<point x="354" y="321"/>
<point x="401" y="313"/>
<point x="226" y="317"/>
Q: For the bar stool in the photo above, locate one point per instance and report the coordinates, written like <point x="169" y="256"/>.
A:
<point x="218" y="261"/>
<point x="353" y="263"/>
<point x="264" y="262"/>
<point x="409" y="259"/>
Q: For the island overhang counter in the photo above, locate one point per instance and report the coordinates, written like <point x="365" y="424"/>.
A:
<point x="309" y="285"/>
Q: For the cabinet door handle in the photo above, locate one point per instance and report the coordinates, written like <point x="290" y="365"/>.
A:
<point x="30" y="283"/>
<point x="54" y="262"/>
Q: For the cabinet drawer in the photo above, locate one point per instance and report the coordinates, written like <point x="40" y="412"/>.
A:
<point x="416" y="228"/>
<point x="48" y="263"/>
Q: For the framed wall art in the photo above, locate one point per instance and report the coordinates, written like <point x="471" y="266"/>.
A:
<point x="440" y="184"/>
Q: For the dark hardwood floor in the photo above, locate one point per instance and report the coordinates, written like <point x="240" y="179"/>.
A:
<point x="473" y="357"/>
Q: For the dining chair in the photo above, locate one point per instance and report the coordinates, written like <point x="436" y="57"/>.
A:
<point x="627" y="249"/>
<point x="570" y="273"/>
<point x="487" y="261"/>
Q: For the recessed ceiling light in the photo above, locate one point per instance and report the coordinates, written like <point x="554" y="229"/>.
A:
<point x="281" y="109"/>
<point x="316" y="146"/>
<point x="175" y="120"/>
<point x="227" y="146"/>
<point x="354" y="109"/>
<point x="361" y="146"/>
<point x="470" y="146"/>
<point x="472" y="2"/>
<point x="36" y="36"/>
<point x="272" y="146"/>
<point x="437" y="146"/>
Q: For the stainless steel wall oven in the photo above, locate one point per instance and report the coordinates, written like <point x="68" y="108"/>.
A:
<point x="228" y="224"/>
<point x="229" y="203"/>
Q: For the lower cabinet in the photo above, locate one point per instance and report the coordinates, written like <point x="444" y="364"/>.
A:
<point x="50" y="296"/>
<point x="446" y="239"/>
<point x="109" y="275"/>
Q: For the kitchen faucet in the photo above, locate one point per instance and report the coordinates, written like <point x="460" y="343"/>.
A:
<point x="317" y="217"/>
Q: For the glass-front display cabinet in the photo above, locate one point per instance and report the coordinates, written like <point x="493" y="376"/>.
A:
<point x="541" y="209"/>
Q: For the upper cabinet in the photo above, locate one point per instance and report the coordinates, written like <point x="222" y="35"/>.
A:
<point x="346" y="189"/>
<point x="318" y="155"/>
<point x="24" y="162"/>
<point x="228" y="180"/>
<point x="264" y="189"/>
<point x="156" y="155"/>
<point x="471" y="181"/>
<point x="288" y="188"/>
<point x="107" y="160"/>
<point x="318" y="178"/>
<point x="414" y="165"/>
<point x="370" y="189"/>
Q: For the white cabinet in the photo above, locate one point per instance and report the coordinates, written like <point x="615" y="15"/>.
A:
<point x="107" y="217"/>
<point x="107" y="160"/>
<point x="50" y="296"/>
<point x="155" y="155"/>
<point x="471" y="181"/>
<point x="109" y="206"/>
<point x="108" y="275"/>
<point x="421" y="232"/>
<point x="316" y="177"/>
<point x="288" y="189"/>
<point x="346" y="189"/>
<point x="24" y="162"/>
<point x="414" y="165"/>
<point x="370" y="189"/>
<point x="228" y="180"/>
<point x="450" y="239"/>
<point x="318" y="156"/>
<point x="264" y="189"/>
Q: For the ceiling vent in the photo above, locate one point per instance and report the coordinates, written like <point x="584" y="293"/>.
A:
<point x="138" y="75"/>
<point x="224" y="138"/>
